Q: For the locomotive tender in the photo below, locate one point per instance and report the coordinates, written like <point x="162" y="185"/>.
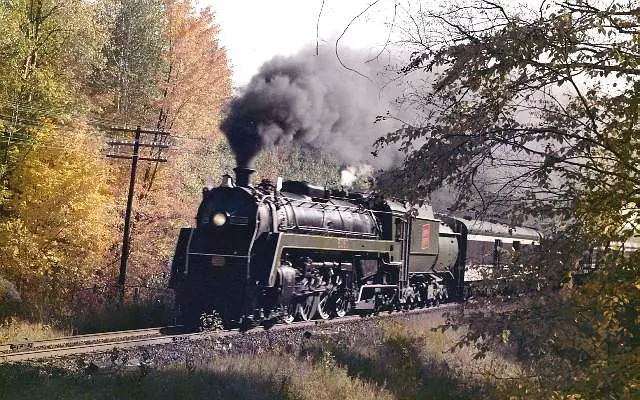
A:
<point x="303" y="251"/>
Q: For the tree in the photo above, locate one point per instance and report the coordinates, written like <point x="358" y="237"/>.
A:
<point x="47" y="49"/>
<point x="197" y="76"/>
<point x="53" y="230"/>
<point x="493" y="101"/>
<point x="52" y="197"/>
<point x="126" y="88"/>
<point x="196" y="80"/>
<point x="539" y="109"/>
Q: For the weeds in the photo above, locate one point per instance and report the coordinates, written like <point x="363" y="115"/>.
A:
<point x="100" y="310"/>
<point x="240" y="377"/>
<point x="211" y="321"/>
<point x="413" y="361"/>
<point x="13" y="329"/>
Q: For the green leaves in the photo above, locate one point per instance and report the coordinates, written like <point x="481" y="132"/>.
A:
<point x="495" y="88"/>
<point x="128" y="84"/>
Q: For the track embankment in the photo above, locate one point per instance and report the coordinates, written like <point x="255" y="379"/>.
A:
<point x="167" y="345"/>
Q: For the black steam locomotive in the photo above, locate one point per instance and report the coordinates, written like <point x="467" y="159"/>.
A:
<point x="295" y="250"/>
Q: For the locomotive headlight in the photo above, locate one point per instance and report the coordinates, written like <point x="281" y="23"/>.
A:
<point x="219" y="219"/>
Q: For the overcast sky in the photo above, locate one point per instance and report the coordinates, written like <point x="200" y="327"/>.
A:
<point x="254" y="31"/>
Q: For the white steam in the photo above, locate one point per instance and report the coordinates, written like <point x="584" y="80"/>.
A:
<point x="352" y="173"/>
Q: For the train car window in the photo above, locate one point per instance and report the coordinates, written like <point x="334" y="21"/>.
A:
<point x="597" y="255"/>
<point x="399" y="229"/>
<point x="515" y="257"/>
<point x="475" y="252"/>
<point x="526" y="254"/>
<point x="497" y="252"/>
<point x="471" y="253"/>
<point x="486" y="253"/>
<point x="587" y="261"/>
<point x="591" y="260"/>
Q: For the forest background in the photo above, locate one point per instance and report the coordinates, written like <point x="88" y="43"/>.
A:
<point x="71" y="70"/>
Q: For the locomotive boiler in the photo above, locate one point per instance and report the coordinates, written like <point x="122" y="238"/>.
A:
<point x="295" y="250"/>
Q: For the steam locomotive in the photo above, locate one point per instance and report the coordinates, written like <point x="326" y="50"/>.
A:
<point x="296" y="250"/>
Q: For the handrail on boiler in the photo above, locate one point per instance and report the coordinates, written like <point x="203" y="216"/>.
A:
<point x="313" y="204"/>
<point x="363" y="235"/>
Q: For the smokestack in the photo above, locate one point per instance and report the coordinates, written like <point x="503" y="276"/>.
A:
<point x="243" y="175"/>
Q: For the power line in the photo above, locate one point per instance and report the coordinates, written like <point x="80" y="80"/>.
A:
<point x="101" y="123"/>
<point x="10" y="142"/>
<point x="105" y="126"/>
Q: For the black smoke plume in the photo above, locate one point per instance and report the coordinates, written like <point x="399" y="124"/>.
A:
<point x="312" y="101"/>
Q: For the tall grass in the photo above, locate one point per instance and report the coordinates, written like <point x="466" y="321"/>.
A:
<point x="100" y="309"/>
<point x="413" y="360"/>
<point x="398" y="360"/>
<point x="97" y="310"/>
<point x="15" y="330"/>
<point x="240" y="377"/>
<point x="494" y="368"/>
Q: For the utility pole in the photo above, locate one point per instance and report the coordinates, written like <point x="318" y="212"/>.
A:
<point x="134" y="157"/>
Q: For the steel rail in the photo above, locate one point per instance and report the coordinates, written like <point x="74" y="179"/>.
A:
<point x="78" y="339"/>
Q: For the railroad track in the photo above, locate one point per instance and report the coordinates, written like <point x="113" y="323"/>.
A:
<point x="24" y="350"/>
<point x="103" y="342"/>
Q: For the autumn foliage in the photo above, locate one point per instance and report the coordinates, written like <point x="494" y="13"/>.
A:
<point x="69" y="69"/>
<point x="53" y="233"/>
<point x="197" y="78"/>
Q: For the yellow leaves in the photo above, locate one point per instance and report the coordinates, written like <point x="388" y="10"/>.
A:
<point x="505" y="335"/>
<point x="55" y="215"/>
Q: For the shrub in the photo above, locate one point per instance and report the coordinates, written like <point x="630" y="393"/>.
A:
<point x="9" y="299"/>
<point x="99" y="309"/>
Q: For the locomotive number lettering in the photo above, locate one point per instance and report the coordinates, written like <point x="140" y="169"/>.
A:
<point x="343" y="243"/>
<point x="426" y="236"/>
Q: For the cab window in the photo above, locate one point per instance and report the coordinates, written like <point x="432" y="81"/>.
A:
<point x="399" y="229"/>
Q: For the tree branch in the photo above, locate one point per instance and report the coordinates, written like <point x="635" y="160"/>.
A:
<point x="345" y="31"/>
